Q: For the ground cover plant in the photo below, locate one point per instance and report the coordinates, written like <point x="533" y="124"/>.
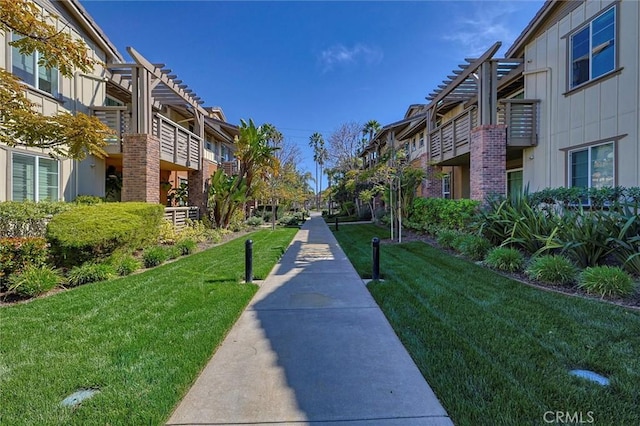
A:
<point x="496" y="351"/>
<point x="140" y="340"/>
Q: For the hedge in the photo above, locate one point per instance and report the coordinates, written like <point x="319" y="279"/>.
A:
<point x="441" y="213"/>
<point x="93" y="232"/>
<point x="20" y="219"/>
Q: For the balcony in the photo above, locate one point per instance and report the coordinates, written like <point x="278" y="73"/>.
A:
<point x="521" y="118"/>
<point x="211" y="156"/>
<point x="453" y="138"/>
<point x="177" y="144"/>
<point x="117" y="119"/>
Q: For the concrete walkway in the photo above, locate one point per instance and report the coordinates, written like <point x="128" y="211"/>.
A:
<point x="311" y="348"/>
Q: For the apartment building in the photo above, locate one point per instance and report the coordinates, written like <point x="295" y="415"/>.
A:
<point x="562" y="108"/>
<point x="164" y="135"/>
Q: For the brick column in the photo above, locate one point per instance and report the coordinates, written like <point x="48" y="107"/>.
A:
<point x="141" y="168"/>
<point x="488" y="161"/>
<point x="432" y="182"/>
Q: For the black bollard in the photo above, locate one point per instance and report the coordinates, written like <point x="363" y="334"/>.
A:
<point x="336" y="223"/>
<point x="248" y="261"/>
<point x="375" y="244"/>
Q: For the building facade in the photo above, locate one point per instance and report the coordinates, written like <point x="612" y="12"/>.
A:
<point x="164" y="136"/>
<point x="561" y="109"/>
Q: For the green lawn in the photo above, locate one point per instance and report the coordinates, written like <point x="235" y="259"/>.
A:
<point x="497" y="351"/>
<point x="141" y="340"/>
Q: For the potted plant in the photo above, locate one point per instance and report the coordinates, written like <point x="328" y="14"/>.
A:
<point x="181" y="194"/>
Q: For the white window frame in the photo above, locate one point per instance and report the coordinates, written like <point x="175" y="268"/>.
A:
<point x="589" y="26"/>
<point x="36" y="193"/>
<point x="589" y="150"/>
<point x="55" y="92"/>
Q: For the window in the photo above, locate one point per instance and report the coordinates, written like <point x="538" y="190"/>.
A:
<point x="109" y="101"/>
<point x="421" y="141"/>
<point x="592" y="49"/>
<point x="446" y="186"/>
<point x="27" y="69"/>
<point x="514" y="184"/>
<point x="34" y="178"/>
<point x="592" y="167"/>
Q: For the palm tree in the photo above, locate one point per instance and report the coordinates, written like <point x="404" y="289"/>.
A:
<point x="255" y="153"/>
<point x="316" y="142"/>
<point x="371" y="127"/>
<point x="323" y="156"/>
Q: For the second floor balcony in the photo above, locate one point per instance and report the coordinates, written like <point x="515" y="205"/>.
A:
<point x="453" y="138"/>
<point x="177" y="144"/>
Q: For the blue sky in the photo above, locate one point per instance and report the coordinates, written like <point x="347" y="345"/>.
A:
<point x="313" y="65"/>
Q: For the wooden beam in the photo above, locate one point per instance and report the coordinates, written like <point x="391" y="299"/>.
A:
<point x="467" y="72"/>
<point x="153" y="70"/>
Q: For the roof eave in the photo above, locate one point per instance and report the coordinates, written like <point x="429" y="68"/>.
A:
<point x="524" y="37"/>
<point x="95" y="32"/>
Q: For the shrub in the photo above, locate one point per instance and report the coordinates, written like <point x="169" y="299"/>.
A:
<point x="255" y="221"/>
<point x="517" y="223"/>
<point x="446" y="238"/>
<point x="18" y="253"/>
<point x="27" y="218"/>
<point x="186" y="246"/>
<point x="436" y="213"/>
<point x="93" y="232"/>
<point x="552" y="269"/>
<point x="505" y="259"/>
<point x="198" y="231"/>
<point x="606" y="281"/>
<point x="585" y="236"/>
<point x="87" y="199"/>
<point x="90" y="272"/>
<point x="288" y="220"/>
<point x="173" y="252"/>
<point x="34" y="280"/>
<point x="125" y="264"/>
<point x="154" y="256"/>
<point x="168" y="234"/>
<point x="626" y="241"/>
<point x="237" y="221"/>
<point x="472" y="246"/>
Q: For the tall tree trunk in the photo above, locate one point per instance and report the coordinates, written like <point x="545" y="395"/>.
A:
<point x="317" y="200"/>
<point x="320" y="190"/>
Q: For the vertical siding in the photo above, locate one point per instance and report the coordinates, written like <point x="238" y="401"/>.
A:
<point x="604" y="110"/>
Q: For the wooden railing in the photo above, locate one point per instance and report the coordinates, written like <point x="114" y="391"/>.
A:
<point x="521" y="118"/>
<point x="453" y="138"/>
<point x="117" y="119"/>
<point x="231" y="168"/>
<point x="211" y="156"/>
<point x="177" y="144"/>
<point x="178" y="215"/>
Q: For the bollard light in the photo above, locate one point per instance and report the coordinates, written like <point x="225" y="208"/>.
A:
<point x="375" y="248"/>
<point x="248" y="261"/>
<point x="336" y="223"/>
